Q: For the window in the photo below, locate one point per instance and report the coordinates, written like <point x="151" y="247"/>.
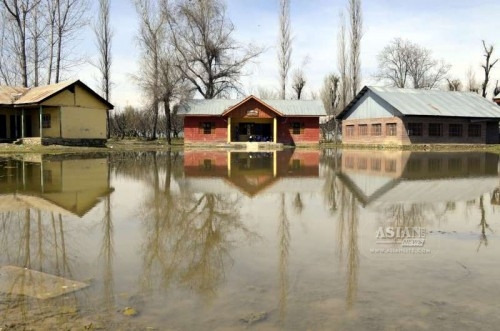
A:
<point x="434" y="165"/>
<point x="207" y="127"/>
<point x="296" y="127"/>
<point x="455" y="164"/>
<point x="376" y="129"/>
<point x="45" y="121"/>
<point x="363" y="129"/>
<point x="391" y="129"/>
<point x="390" y="166"/>
<point x="349" y="130"/>
<point x="435" y="129"/>
<point x="455" y="130"/>
<point x="362" y="163"/>
<point x="376" y="164"/>
<point x="415" y="129"/>
<point x="207" y="164"/>
<point x="474" y="130"/>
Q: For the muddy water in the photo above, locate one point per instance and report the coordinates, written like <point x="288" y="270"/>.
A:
<point x="294" y="240"/>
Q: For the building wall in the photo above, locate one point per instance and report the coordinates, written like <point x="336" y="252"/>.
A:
<point x="81" y="97"/>
<point x="83" y="123"/>
<point x="309" y="132"/>
<point x="55" y="122"/>
<point x="201" y="163"/>
<point x="489" y="133"/>
<point x="251" y="109"/>
<point x="193" y="130"/>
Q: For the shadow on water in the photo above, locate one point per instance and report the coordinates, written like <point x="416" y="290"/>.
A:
<point x="214" y="239"/>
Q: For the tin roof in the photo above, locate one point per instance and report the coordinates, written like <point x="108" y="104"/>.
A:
<point x="217" y="107"/>
<point x="8" y="94"/>
<point x="18" y="96"/>
<point x="417" y="102"/>
<point x="40" y="93"/>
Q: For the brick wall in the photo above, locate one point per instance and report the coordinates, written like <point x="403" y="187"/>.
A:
<point x="309" y="132"/>
<point x="193" y="132"/>
<point x="489" y="132"/>
<point x="205" y="163"/>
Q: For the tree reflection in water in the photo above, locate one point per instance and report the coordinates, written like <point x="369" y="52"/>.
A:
<point x="284" y="246"/>
<point x="188" y="235"/>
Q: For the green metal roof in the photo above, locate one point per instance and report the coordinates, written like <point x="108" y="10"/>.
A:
<point x="216" y="107"/>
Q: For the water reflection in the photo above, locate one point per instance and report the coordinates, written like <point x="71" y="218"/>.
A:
<point x="201" y="240"/>
<point x="39" y="194"/>
<point x="413" y="189"/>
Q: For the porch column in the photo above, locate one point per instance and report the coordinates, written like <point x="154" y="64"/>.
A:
<point x="275" y="164"/>
<point x="22" y="123"/>
<point x="228" y="130"/>
<point x="40" y="123"/>
<point x="275" y="130"/>
<point x="41" y="175"/>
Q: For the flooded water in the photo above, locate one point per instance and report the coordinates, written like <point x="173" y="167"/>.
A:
<point x="217" y="240"/>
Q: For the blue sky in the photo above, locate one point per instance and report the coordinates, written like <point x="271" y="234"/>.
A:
<point x="453" y="30"/>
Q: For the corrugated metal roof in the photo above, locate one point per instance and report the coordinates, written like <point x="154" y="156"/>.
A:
<point x="40" y="93"/>
<point x="417" y="102"/>
<point x="18" y="96"/>
<point x="8" y="94"/>
<point x="286" y="107"/>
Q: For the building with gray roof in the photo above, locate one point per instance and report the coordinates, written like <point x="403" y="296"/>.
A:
<point x="386" y="115"/>
<point x="215" y="121"/>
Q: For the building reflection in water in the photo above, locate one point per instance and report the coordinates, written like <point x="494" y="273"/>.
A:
<point x="282" y="173"/>
<point x="38" y="193"/>
<point x="419" y="188"/>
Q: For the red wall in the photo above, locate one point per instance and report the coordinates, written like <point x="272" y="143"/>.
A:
<point x="193" y="133"/>
<point x="310" y="133"/>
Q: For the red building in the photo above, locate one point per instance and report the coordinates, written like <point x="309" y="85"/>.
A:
<point x="289" y="122"/>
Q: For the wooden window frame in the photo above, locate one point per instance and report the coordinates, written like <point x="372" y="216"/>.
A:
<point x="376" y="129"/>
<point x="474" y="130"/>
<point x="455" y="130"/>
<point x="349" y="130"/>
<point x="391" y="129"/>
<point x="207" y="127"/>
<point x="46" y="121"/>
<point x="363" y="129"/>
<point x="415" y="129"/>
<point x="435" y="129"/>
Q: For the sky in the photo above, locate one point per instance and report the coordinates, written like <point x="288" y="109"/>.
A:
<point x="452" y="29"/>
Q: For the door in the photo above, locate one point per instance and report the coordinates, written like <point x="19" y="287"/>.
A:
<point x="3" y="126"/>
<point x="15" y="126"/>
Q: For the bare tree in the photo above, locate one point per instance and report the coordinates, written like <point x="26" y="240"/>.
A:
<point x="454" y="84"/>
<point x="70" y="17"/>
<point x="19" y="11"/>
<point x="299" y="78"/>
<point x="331" y="97"/>
<point x="343" y="62"/>
<point x="152" y="35"/>
<point x="472" y="85"/>
<point x="405" y="64"/>
<point x="487" y="66"/>
<point x="330" y="94"/>
<point x="36" y="34"/>
<point x="212" y="61"/>
<point x="355" y="34"/>
<point x="269" y="94"/>
<point x="299" y="81"/>
<point x="104" y="35"/>
<point x="284" y="45"/>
